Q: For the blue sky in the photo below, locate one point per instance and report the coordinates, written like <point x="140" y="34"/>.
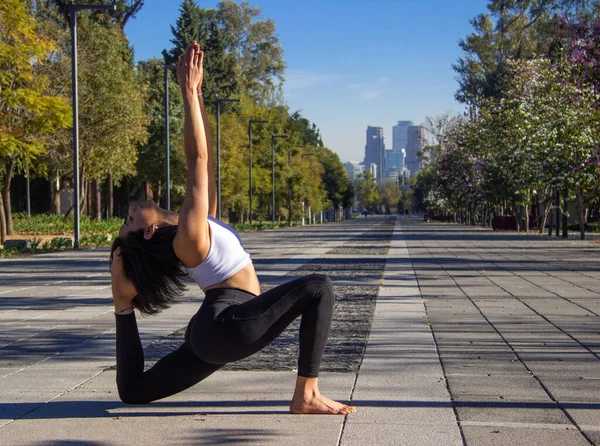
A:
<point x="350" y="63"/>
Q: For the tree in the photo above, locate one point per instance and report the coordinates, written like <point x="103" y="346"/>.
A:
<point x="367" y="191"/>
<point x="124" y="9"/>
<point x="510" y="30"/>
<point x="151" y="161"/>
<point x="389" y="194"/>
<point x="202" y="25"/>
<point x="335" y="177"/>
<point x="437" y="128"/>
<point x="112" y="119"/>
<point x="27" y="115"/>
<point x="256" y="49"/>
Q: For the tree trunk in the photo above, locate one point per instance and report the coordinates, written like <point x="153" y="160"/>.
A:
<point x="98" y="200"/>
<point x="580" y="207"/>
<point x="88" y="198"/>
<point x="547" y="209"/>
<point x="54" y="196"/>
<point x="565" y="222"/>
<point x="110" y="199"/>
<point x="2" y="222"/>
<point x="10" y="164"/>
<point x="526" y="209"/>
<point x="148" y="191"/>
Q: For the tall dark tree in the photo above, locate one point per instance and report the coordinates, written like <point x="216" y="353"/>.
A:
<point x="201" y="25"/>
<point x="256" y="48"/>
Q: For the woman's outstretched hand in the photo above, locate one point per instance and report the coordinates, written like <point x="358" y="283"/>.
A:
<point x="123" y="290"/>
<point x="190" y="71"/>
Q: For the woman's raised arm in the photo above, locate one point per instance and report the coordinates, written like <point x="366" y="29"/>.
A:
<point x="192" y="241"/>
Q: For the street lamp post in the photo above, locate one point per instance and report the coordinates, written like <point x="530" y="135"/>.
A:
<point x="73" y="8"/>
<point x="252" y="121"/>
<point x="273" y="138"/>
<point x="381" y="150"/>
<point x="218" y="105"/>
<point x="28" y="193"/>
<point x="166" y="69"/>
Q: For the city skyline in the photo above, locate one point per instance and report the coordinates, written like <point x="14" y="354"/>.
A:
<point x="341" y="77"/>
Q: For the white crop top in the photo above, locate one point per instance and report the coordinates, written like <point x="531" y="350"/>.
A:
<point x="226" y="256"/>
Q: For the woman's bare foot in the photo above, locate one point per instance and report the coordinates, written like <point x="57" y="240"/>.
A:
<point x="307" y="399"/>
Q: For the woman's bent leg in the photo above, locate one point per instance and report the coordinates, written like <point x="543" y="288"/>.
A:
<point x="172" y="374"/>
<point x="250" y="326"/>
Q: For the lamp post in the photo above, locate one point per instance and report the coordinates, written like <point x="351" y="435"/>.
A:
<point x="273" y="138"/>
<point x="73" y="8"/>
<point x="381" y="150"/>
<point x="28" y="193"/>
<point x="252" y="121"/>
<point x="166" y="69"/>
<point x="218" y="105"/>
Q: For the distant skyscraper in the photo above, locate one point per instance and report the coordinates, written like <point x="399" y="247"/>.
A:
<point x="354" y="170"/>
<point x="375" y="150"/>
<point x="414" y="145"/>
<point x="394" y="158"/>
<point x="400" y="135"/>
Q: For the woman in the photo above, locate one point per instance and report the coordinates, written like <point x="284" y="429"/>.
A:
<point x="235" y="320"/>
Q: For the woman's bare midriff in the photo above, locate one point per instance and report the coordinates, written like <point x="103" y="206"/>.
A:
<point x="245" y="279"/>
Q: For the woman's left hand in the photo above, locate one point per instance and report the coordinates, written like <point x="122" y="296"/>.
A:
<point x="123" y="290"/>
<point x="190" y="71"/>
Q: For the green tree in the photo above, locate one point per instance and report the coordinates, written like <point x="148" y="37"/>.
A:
<point x="511" y="29"/>
<point x="335" y="177"/>
<point x="202" y="25"/>
<point x="124" y="9"/>
<point x="27" y="115"/>
<point x="112" y="119"/>
<point x="389" y="194"/>
<point x="256" y="48"/>
<point x="151" y="163"/>
<point x="367" y="191"/>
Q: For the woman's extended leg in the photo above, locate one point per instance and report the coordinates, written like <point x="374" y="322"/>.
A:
<point x="172" y="374"/>
<point x="251" y="323"/>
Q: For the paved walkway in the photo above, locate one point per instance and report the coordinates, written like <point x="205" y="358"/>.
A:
<point x="477" y="338"/>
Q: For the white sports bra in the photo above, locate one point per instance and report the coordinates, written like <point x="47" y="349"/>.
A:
<point x="226" y="256"/>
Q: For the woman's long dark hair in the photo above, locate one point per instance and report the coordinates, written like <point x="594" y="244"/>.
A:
<point x="156" y="272"/>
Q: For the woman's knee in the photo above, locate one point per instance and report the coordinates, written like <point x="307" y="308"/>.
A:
<point x="321" y="286"/>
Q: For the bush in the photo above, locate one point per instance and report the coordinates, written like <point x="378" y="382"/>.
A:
<point x="58" y="224"/>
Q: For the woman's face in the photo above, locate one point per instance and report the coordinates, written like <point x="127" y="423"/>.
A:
<point x="141" y="216"/>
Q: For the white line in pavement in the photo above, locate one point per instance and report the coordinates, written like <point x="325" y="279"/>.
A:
<point x="15" y="290"/>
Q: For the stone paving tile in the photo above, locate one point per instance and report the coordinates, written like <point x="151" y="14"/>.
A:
<point x="513" y="321"/>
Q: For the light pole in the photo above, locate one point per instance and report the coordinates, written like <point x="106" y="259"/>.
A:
<point x="273" y="138"/>
<point x="381" y="150"/>
<point x="73" y="8"/>
<point x="252" y="121"/>
<point x="166" y="69"/>
<point x="218" y="105"/>
<point x="28" y="193"/>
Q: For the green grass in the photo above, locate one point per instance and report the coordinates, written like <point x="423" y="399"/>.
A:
<point x="58" y="224"/>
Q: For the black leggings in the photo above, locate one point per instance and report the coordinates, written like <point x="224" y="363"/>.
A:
<point x="231" y="325"/>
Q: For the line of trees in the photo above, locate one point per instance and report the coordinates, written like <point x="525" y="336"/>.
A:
<point x="121" y="109"/>
<point x="530" y="77"/>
